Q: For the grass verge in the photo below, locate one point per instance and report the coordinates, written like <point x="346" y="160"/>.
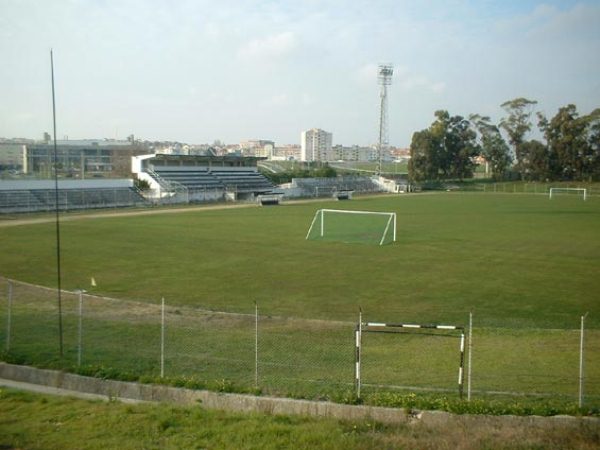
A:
<point x="35" y="421"/>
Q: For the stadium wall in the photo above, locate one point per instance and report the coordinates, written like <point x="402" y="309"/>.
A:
<point x="15" y="185"/>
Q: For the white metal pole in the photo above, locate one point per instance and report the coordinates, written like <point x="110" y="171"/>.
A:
<point x="461" y="368"/>
<point x="359" y="354"/>
<point x="470" y="356"/>
<point x="80" y="329"/>
<point x="581" y="361"/>
<point x="322" y="221"/>
<point x="162" y="339"/>
<point x="8" y="318"/>
<point x="256" y="344"/>
<point x="312" y="224"/>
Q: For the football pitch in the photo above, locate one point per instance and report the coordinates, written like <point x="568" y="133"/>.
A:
<point x="512" y="260"/>
<point x="525" y="266"/>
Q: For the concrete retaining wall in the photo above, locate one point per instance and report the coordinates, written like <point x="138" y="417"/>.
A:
<point x="268" y="405"/>
<point x="208" y="399"/>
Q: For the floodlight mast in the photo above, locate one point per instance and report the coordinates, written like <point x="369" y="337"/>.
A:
<point x="384" y="79"/>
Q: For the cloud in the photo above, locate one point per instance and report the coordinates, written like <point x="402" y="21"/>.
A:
<point x="366" y="74"/>
<point x="550" y="22"/>
<point x="269" y="48"/>
<point x="278" y="100"/>
<point x="421" y="83"/>
<point x="438" y="87"/>
<point x="23" y="116"/>
<point x="307" y="99"/>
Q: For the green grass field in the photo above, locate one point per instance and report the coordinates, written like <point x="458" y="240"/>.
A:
<point x="512" y="260"/>
<point x="525" y="266"/>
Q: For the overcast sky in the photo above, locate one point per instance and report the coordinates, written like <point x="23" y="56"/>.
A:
<point x="196" y="71"/>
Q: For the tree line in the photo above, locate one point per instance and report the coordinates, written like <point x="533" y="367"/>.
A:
<point x="570" y="150"/>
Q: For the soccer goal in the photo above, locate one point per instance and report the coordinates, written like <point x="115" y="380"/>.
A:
<point x="353" y="226"/>
<point x="576" y="191"/>
<point x="399" y="329"/>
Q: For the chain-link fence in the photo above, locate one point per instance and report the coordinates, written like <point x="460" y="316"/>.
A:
<point x="533" y="187"/>
<point x="290" y="356"/>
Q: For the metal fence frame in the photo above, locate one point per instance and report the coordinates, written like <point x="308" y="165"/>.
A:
<point x="275" y="356"/>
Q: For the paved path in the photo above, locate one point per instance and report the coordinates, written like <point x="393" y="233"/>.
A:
<point x="108" y="214"/>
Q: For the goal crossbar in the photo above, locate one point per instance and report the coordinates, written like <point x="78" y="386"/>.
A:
<point x="378" y="327"/>
<point x="558" y="189"/>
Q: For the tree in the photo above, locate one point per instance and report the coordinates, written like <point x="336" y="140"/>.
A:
<point x="444" y="150"/>
<point x="517" y="124"/>
<point x="493" y="146"/>
<point x="593" y="137"/>
<point x="536" y="161"/>
<point x="140" y="184"/>
<point x="568" y="147"/>
<point x="424" y="157"/>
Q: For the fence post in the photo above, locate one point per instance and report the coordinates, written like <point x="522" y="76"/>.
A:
<point x="80" y="328"/>
<point x="8" y="317"/>
<point x="162" y="339"/>
<point x="255" y="344"/>
<point x="358" y="341"/>
<point x="462" y="362"/>
<point x="470" y="356"/>
<point x="581" y="361"/>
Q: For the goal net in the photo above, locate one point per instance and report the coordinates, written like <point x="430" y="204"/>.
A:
<point x="572" y="191"/>
<point x="367" y="227"/>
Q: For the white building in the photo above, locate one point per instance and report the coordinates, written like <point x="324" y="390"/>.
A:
<point x="316" y="145"/>
<point x="354" y="153"/>
<point x="257" y="147"/>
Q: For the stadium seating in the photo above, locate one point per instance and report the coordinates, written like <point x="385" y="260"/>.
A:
<point x="201" y="178"/>
<point x="33" y="200"/>
<point x="192" y="178"/>
<point x="243" y="180"/>
<point x="320" y="187"/>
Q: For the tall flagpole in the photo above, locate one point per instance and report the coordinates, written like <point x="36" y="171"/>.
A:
<point x="58" y="272"/>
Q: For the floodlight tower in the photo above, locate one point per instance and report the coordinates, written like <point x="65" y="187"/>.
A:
<point x="384" y="79"/>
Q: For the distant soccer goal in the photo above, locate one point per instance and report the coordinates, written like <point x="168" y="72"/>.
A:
<point x="367" y="227"/>
<point x="575" y="191"/>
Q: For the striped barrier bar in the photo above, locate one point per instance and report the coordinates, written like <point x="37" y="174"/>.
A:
<point x="411" y="325"/>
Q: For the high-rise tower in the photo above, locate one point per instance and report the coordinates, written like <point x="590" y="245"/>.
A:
<point x="315" y="145"/>
<point x="384" y="79"/>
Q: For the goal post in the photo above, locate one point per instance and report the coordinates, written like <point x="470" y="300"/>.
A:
<point x="371" y="227"/>
<point x="456" y="331"/>
<point x="559" y="190"/>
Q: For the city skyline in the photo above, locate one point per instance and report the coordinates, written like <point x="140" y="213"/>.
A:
<point x="199" y="72"/>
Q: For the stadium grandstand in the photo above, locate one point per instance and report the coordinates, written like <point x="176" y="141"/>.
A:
<point x="201" y="178"/>
<point x="23" y="196"/>
<point x="326" y="187"/>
